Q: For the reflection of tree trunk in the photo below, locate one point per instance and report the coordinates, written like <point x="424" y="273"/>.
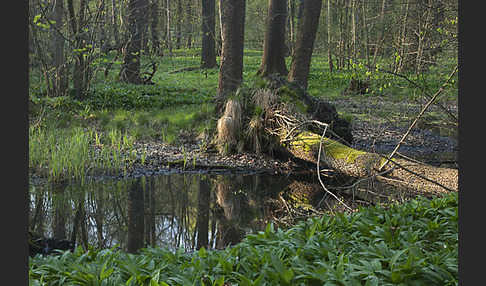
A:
<point x="203" y="213"/>
<point x="80" y="222"/>
<point x="229" y="232"/>
<point x="135" y="212"/>
<point x="150" y="215"/>
<point x="60" y="207"/>
<point x="99" y="217"/>
<point x="39" y="214"/>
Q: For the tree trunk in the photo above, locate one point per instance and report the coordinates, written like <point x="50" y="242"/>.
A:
<point x="291" y="18"/>
<point x="382" y="34"/>
<point x="154" y="28"/>
<point x="353" y="30"/>
<point x="130" y="71"/>
<point x="407" y="176"/>
<point x="168" y="39"/>
<point x="273" y="61"/>
<point x="329" y="42"/>
<point x="103" y="39"/>
<point x="231" y="66"/>
<point x="190" y="24"/>
<point x="301" y="59"/>
<point x="366" y="36"/>
<point x="114" y="23"/>
<point x="179" y="25"/>
<point x="80" y="80"/>
<point x="208" y="52"/>
<point x="60" y="83"/>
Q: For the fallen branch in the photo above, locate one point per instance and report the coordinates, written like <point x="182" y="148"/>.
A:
<point x="184" y="69"/>
<point x="417" y="118"/>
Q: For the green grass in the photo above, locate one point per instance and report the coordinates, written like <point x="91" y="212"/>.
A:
<point x="156" y="124"/>
<point x="68" y="154"/>
<point x="415" y="243"/>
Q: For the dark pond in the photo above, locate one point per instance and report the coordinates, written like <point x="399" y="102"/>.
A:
<point x="177" y="210"/>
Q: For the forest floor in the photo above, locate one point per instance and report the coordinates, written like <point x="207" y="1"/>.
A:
<point x="378" y="119"/>
<point x="432" y="142"/>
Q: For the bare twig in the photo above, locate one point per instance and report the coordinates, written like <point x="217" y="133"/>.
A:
<point x="417" y="118"/>
<point x="417" y="174"/>
<point x="319" y="173"/>
<point x="424" y="91"/>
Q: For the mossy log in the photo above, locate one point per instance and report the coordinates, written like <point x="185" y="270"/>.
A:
<point x="402" y="174"/>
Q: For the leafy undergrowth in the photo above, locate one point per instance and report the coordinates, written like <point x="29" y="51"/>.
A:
<point x="415" y="243"/>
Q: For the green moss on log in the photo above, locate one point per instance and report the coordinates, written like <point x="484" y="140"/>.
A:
<point x="338" y="156"/>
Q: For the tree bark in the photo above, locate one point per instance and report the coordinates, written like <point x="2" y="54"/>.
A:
<point x="154" y="27"/>
<point x="291" y="18"/>
<point x="301" y="59"/>
<point x="60" y="83"/>
<point x="382" y="34"/>
<point x="273" y="61"/>
<point x="231" y="66"/>
<point x="168" y="38"/>
<point x="130" y="71"/>
<point x="329" y="42"/>
<point x="80" y="76"/>
<point x="114" y="23"/>
<point x="179" y="24"/>
<point x="208" y="52"/>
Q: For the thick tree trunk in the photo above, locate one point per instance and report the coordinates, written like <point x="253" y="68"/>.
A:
<point x="179" y="25"/>
<point x="130" y="71"/>
<point x="60" y="82"/>
<point x="400" y="174"/>
<point x="208" y="52"/>
<point x="114" y="23"/>
<point x="154" y="27"/>
<point x="80" y="80"/>
<point x="301" y="59"/>
<point x="273" y="61"/>
<point x="231" y="66"/>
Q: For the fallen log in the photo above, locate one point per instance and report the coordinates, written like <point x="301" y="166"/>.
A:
<point x="403" y="175"/>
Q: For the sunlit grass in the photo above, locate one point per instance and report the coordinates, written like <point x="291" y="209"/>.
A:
<point x="75" y="153"/>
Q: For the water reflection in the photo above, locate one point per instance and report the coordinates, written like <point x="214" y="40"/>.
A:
<point x="178" y="210"/>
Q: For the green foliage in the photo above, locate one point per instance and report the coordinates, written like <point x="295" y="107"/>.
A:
<point x="68" y="154"/>
<point x="415" y="243"/>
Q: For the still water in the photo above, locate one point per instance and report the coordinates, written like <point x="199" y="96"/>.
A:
<point x="177" y="210"/>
